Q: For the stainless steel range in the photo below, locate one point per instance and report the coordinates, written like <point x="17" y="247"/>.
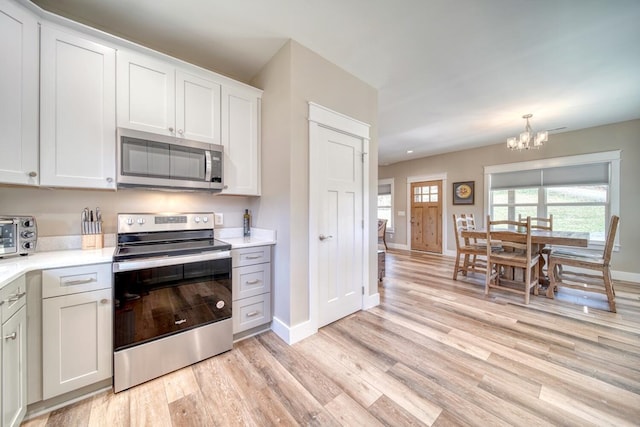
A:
<point x="172" y="295"/>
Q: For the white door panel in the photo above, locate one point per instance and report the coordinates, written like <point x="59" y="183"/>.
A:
<point x="340" y="250"/>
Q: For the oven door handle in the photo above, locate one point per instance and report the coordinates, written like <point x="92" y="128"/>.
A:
<point x="131" y="265"/>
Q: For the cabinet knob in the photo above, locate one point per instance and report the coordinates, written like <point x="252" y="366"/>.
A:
<point x="104" y="301"/>
<point x="171" y="130"/>
<point x="11" y="336"/>
<point x="109" y="179"/>
<point x="33" y="174"/>
<point x="180" y="131"/>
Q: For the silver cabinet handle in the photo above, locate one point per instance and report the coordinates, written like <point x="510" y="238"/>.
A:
<point x="253" y="256"/>
<point x="11" y="336"/>
<point x="16" y="297"/>
<point x="253" y="313"/>
<point x="33" y="174"/>
<point x="79" y="282"/>
<point x="252" y="282"/>
<point x="323" y="237"/>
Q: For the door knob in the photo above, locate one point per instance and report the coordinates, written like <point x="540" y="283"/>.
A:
<point x="323" y="237"/>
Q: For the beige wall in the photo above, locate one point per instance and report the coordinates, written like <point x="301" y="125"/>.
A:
<point x="468" y="165"/>
<point x="294" y="77"/>
<point x="57" y="211"/>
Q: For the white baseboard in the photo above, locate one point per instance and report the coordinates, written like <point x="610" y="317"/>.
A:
<point x="398" y="246"/>
<point x="370" y="301"/>
<point x="292" y="334"/>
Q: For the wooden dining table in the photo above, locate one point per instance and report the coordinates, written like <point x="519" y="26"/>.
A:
<point x="540" y="239"/>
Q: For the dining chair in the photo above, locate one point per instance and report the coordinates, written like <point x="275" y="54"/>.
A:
<point x="382" y="232"/>
<point x="599" y="282"/>
<point x="516" y="253"/>
<point x="541" y="223"/>
<point x="470" y="255"/>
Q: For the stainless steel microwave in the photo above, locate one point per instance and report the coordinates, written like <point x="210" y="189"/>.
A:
<point x="148" y="160"/>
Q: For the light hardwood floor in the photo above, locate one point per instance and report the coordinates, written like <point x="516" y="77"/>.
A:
<point x="435" y="352"/>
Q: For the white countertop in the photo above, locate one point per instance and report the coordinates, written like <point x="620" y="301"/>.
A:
<point x="14" y="267"/>
<point x="259" y="237"/>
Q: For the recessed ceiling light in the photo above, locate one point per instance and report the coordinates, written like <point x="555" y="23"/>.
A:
<point x="409" y="151"/>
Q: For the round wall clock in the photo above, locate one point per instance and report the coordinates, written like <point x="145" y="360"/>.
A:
<point x="463" y="191"/>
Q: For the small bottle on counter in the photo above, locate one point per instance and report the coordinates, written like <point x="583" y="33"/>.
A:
<point x="246" y="223"/>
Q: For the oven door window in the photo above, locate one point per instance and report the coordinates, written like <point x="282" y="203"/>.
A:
<point x="7" y="237"/>
<point x="157" y="302"/>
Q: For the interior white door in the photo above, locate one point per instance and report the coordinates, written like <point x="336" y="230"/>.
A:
<point x="340" y="224"/>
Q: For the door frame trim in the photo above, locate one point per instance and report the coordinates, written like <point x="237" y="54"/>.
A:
<point x="435" y="177"/>
<point x="320" y="116"/>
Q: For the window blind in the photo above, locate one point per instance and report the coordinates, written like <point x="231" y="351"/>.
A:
<point x="591" y="173"/>
<point x="384" y="189"/>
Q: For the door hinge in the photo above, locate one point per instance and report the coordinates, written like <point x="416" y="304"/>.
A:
<point x="363" y="154"/>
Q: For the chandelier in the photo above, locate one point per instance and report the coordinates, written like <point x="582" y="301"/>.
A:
<point x="527" y="139"/>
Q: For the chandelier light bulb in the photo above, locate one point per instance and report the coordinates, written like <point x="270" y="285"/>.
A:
<point x="527" y="139"/>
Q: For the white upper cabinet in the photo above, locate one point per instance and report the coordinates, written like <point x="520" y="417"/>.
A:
<point x="19" y="99"/>
<point x="197" y="108"/>
<point x="155" y="96"/>
<point x="146" y="94"/>
<point x="77" y="111"/>
<point x="241" y="140"/>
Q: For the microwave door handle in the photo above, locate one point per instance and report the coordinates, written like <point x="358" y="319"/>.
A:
<point x="207" y="165"/>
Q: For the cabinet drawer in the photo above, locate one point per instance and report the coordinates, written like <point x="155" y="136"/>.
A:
<point x="12" y="297"/>
<point x="250" y="256"/>
<point x="251" y="280"/>
<point x="71" y="280"/>
<point x="251" y="312"/>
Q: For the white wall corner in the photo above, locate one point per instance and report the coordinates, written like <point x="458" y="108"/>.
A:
<point x="293" y="334"/>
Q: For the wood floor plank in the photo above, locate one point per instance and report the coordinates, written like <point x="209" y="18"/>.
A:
<point x="434" y="352"/>
<point x="110" y="410"/>
<point x="349" y="413"/>
<point x="148" y="405"/>
<point x="190" y="411"/>
<point x="179" y="384"/>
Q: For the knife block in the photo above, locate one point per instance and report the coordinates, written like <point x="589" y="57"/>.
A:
<point x="92" y="241"/>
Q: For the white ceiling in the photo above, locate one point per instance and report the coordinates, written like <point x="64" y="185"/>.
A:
<point x="451" y="74"/>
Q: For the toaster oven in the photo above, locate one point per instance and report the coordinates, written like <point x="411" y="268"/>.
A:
<point x="18" y="235"/>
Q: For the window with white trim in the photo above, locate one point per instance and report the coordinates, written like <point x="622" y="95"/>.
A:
<point x="385" y="201"/>
<point x="581" y="192"/>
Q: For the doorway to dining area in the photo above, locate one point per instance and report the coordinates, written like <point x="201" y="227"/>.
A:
<point x="426" y="216"/>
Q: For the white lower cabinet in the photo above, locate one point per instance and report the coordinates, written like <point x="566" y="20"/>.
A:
<point x="251" y="287"/>
<point x="13" y="374"/>
<point x="76" y="328"/>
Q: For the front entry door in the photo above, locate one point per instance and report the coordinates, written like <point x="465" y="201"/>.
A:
<point x="426" y="216"/>
<point x="340" y="225"/>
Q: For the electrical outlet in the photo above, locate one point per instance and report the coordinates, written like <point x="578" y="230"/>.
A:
<point x="218" y="219"/>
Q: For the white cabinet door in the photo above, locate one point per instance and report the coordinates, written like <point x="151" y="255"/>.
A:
<point x="14" y="369"/>
<point x="197" y="108"/>
<point x="78" y="128"/>
<point x="146" y="94"/>
<point x="19" y="99"/>
<point x="240" y="138"/>
<point x="76" y="341"/>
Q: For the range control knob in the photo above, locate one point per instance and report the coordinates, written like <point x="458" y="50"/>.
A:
<point x="197" y="219"/>
<point x="28" y="223"/>
<point x="140" y="221"/>
<point x="205" y="219"/>
<point x="28" y="245"/>
<point x="27" y="234"/>
<point x="129" y="221"/>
